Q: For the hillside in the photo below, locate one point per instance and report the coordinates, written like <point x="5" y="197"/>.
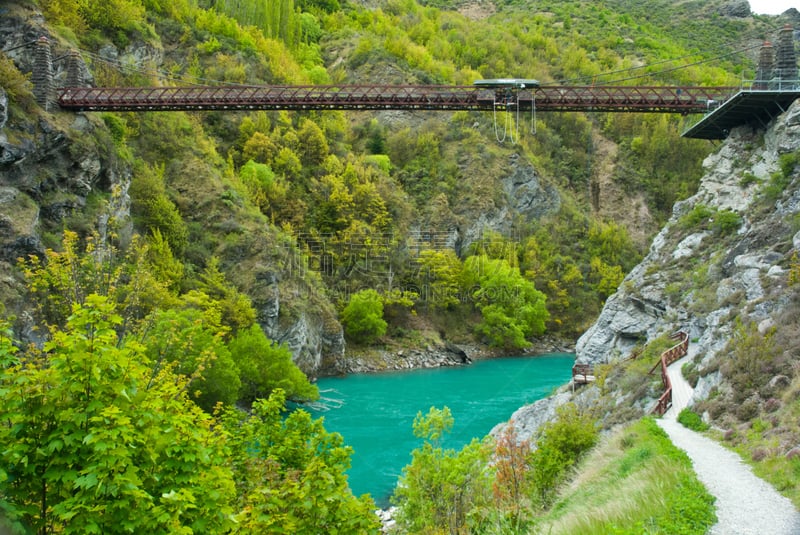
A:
<point x="292" y="204"/>
<point x="724" y="270"/>
<point x="229" y="258"/>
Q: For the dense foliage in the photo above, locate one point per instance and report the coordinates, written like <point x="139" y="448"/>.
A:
<point x="207" y="334"/>
<point x="100" y="438"/>
<point x="487" y="486"/>
<point x="348" y="192"/>
<point x="127" y="416"/>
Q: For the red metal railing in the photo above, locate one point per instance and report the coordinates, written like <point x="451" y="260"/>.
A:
<point x="669" y="356"/>
<point x="371" y="97"/>
<point x="582" y="373"/>
<point x="585" y="373"/>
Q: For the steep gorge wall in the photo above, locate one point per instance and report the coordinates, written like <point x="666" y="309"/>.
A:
<point x="700" y="277"/>
<point x="52" y="164"/>
<point x="703" y="277"/>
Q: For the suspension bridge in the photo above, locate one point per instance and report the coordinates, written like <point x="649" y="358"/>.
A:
<point x="755" y="102"/>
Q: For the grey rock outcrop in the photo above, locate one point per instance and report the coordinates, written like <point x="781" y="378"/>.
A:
<point x="701" y="280"/>
<point x="307" y="326"/>
<point x="526" y="196"/>
<point x="3" y="107"/>
<point x="528" y="419"/>
<point x="736" y="9"/>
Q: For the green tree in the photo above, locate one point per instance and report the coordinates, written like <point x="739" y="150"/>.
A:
<point x="443" y="269"/>
<point x="153" y="209"/>
<point x="162" y="264"/>
<point x="512" y="485"/>
<point x="234" y="308"/>
<point x="442" y="488"/>
<point x="363" y="317"/>
<point x="267" y="190"/>
<point x="94" y="442"/>
<point x="259" y="147"/>
<point x="605" y="279"/>
<point x="265" y="366"/>
<point x="290" y="474"/>
<point x="511" y="306"/>
<point x="192" y="344"/>
<point x="136" y="283"/>
<point x="313" y="145"/>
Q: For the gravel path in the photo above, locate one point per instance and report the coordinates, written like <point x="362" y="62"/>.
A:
<point x="745" y="503"/>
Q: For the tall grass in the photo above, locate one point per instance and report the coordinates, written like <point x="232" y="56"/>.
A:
<point x="635" y="482"/>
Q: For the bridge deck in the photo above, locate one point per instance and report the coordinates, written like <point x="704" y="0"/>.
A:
<point x="661" y="99"/>
<point x="748" y="106"/>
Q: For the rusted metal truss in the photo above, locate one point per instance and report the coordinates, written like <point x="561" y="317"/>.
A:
<point x="371" y="97"/>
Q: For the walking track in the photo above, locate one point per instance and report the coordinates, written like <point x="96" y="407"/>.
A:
<point x="745" y="503"/>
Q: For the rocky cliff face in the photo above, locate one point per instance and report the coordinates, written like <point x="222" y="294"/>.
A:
<point x="724" y="259"/>
<point x="49" y="167"/>
<point x="53" y="164"/>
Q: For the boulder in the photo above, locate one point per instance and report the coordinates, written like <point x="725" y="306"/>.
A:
<point x="624" y="321"/>
<point x="738" y="9"/>
<point x="528" y="419"/>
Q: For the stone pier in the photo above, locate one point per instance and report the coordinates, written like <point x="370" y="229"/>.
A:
<point x="42" y="76"/>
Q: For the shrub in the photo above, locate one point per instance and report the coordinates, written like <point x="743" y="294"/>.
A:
<point x="700" y="214"/>
<point x="442" y="488"/>
<point x="691" y="420"/>
<point x="15" y="83"/>
<point x="726" y="222"/>
<point x="748" y="409"/>
<point x="363" y="317"/>
<point x="691" y="373"/>
<point x="773" y="189"/>
<point x="153" y="208"/>
<point x="265" y="366"/>
<point x="747" y="179"/>
<point x="562" y="442"/>
<point x="772" y="405"/>
<point x="788" y="162"/>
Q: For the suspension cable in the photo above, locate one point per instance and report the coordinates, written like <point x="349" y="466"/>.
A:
<point x="630" y="69"/>
<point x="679" y="67"/>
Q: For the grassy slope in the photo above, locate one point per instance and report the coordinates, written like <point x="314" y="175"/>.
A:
<point x="636" y="481"/>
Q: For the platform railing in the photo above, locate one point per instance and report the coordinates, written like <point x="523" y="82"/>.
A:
<point x="772" y="84"/>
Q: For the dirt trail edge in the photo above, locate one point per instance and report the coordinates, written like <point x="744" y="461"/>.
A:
<point x="745" y="503"/>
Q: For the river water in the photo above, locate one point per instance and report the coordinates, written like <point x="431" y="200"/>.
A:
<point x="374" y="412"/>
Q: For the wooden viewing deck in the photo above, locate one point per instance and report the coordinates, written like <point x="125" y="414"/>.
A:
<point x="585" y="373"/>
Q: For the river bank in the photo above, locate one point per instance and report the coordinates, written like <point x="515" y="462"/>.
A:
<point x="436" y="354"/>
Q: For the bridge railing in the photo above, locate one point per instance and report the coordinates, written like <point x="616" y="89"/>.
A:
<point x="582" y="373"/>
<point x="669" y="356"/>
<point x="585" y="373"/>
<point x="665" y="99"/>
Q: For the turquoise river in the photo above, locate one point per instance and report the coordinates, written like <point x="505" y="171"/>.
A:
<point x="374" y="412"/>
